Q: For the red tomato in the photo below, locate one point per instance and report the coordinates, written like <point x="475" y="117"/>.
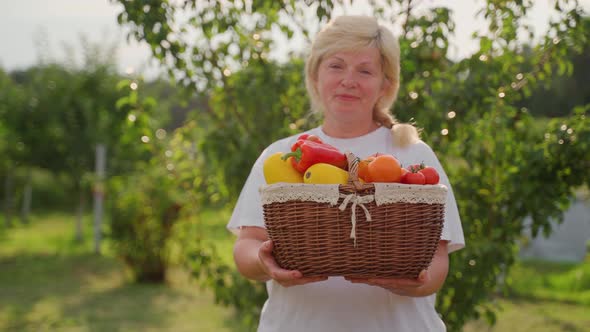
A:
<point x="404" y="172"/>
<point x="430" y="174"/>
<point x="415" y="168"/>
<point x="414" y="178"/>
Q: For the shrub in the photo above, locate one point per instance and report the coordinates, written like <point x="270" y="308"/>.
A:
<point x="143" y="212"/>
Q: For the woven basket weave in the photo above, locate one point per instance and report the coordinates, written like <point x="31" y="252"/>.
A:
<point x="357" y="230"/>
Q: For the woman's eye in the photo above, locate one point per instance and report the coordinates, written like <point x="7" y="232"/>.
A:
<point x="366" y="72"/>
<point x="335" y="66"/>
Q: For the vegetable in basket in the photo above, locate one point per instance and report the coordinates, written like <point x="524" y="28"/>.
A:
<point x="322" y="173"/>
<point x="431" y="175"/>
<point x="413" y="176"/>
<point x="385" y="168"/>
<point x="276" y="169"/>
<point x="306" y="152"/>
<point x="305" y="137"/>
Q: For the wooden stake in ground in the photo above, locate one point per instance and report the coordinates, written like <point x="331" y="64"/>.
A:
<point x="100" y="167"/>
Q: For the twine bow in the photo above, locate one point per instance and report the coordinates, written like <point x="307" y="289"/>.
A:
<point x="356" y="200"/>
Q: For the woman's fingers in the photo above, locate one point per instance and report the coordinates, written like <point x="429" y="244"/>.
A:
<point x="395" y="283"/>
<point x="266" y="248"/>
<point x="270" y="265"/>
<point x="266" y="257"/>
<point x="284" y="277"/>
<point x="399" y="286"/>
<point x="300" y="281"/>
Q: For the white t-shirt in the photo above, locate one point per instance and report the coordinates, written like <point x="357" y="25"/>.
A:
<point x="336" y="305"/>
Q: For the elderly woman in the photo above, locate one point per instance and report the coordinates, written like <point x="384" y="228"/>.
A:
<point x="352" y="77"/>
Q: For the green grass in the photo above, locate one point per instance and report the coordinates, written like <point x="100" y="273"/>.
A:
<point x="543" y="296"/>
<point x="529" y="315"/>
<point x="49" y="282"/>
<point x="50" y="234"/>
<point x="551" y="281"/>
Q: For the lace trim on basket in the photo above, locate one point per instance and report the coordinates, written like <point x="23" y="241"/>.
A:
<point x="283" y="192"/>
<point x="387" y="193"/>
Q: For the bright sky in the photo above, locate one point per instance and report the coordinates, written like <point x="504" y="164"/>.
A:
<point x="24" y="22"/>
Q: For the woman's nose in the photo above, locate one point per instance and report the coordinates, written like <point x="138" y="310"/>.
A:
<point x="348" y="80"/>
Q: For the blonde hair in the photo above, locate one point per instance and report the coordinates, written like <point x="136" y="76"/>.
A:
<point x="346" y="33"/>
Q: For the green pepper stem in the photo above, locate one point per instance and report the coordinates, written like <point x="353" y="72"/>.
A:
<point x="295" y="154"/>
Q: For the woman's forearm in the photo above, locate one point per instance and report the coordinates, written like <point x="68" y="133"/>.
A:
<point x="247" y="261"/>
<point x="246" y="253"/>
<point x="437" y="272"/>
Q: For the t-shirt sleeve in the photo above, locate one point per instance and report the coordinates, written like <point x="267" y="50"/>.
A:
<point x="452" y="229"/>
<point x="248" y="208"/>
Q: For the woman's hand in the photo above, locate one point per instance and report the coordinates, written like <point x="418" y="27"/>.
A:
<point x="428" y="282"/>
<point x="254" y="259"/>
<point x="404" y="287"/>
<point x="285" y="278"/>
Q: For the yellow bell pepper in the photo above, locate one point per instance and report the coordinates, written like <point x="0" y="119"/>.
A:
<point x="278" y="170"/>
<point x="323" y="173"/>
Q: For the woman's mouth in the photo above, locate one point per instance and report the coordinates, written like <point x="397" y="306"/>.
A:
<point x="346" y="97"/>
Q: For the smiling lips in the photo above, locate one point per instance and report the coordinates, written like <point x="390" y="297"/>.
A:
<point x="346" y="97"/>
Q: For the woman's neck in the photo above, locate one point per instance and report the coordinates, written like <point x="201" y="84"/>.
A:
<point x="348" y="129"/>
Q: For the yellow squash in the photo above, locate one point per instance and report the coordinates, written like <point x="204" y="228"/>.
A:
<point x="322" y="173"/>
<point x="277" y="170"/>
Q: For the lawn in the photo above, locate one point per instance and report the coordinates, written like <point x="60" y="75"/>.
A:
<point x="552" y="281"/>
<point x="49" y="282"/>
<point x="538" y="316"/>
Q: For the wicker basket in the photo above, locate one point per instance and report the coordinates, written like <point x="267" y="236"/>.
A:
<point x="360" y="230"/>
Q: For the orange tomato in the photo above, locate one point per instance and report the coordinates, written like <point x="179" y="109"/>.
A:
<point x="363" y="170"/>
<point x="385" y="168"/>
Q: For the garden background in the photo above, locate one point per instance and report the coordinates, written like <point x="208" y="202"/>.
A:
<point x="116" y="188"/>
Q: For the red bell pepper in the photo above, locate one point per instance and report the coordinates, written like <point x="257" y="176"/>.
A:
<point x="308" y="152"/>
<point x="303" y="138"/>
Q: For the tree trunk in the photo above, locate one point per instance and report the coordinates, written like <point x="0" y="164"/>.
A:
<point x="98" y="192"/>
<point x="80" y="213"/>
<point x="8" y="198"/>
<point x="27" y="197"/>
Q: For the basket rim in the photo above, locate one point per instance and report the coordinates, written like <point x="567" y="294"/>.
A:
<point x="382" y="192"/>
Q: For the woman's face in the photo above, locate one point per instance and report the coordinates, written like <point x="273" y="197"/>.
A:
<point x="350" y="83"/>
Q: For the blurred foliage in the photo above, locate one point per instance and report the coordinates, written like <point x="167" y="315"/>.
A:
<point x="149" y="200"/>
<point x="53" y="115"/>
<point x="257" y="105"/>
<point x="229" y="286"/>
<point x="56" y="115"/>
<point x="143" y="214"/>
<point x="550" y="281"/>
<point x="475" y="112"/>
<point x="564" y="91"/>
